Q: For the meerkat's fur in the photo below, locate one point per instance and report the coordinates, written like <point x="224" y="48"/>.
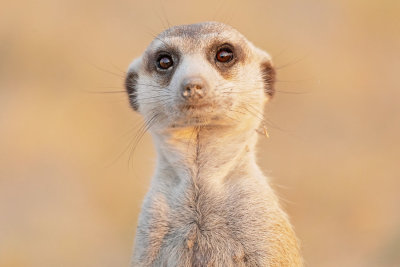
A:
<point x="209" y="204"/>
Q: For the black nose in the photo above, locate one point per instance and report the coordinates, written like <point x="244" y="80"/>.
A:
<point x="194" y="88"/>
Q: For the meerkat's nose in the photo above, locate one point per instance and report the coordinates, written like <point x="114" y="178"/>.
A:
<point x="194" y="88"/>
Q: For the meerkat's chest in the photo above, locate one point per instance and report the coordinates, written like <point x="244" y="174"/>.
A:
<point x="209" y="241"/>
<point x="204" y="231"/>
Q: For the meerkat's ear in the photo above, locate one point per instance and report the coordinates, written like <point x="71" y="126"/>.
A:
<point x="268" y="73"/>
<point x="269" y="76"/>
<point x="131" y="81"/>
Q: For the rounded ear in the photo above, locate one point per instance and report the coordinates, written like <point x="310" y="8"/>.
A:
<point x="131" y="82"/>
<point x="268" y="75"/>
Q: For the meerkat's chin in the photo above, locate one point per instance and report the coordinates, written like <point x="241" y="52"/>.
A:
<point x="204" y="121"/>
<point x="194" y="122"/>
<point x="199" y="107"/>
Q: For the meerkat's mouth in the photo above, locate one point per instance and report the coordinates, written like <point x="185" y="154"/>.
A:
<point x="201" y="118"/>
<point x="196" y="106"/>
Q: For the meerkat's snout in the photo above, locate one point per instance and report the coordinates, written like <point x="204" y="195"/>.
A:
<point x="194" y="89"/>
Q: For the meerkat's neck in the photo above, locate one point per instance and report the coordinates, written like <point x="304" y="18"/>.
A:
<point x="205" y="155"/>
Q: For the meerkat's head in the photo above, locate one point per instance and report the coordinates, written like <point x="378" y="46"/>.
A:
<point x="205" y="74"/>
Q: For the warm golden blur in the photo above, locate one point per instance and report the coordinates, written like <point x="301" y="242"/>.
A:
<point x="70" y="188"/>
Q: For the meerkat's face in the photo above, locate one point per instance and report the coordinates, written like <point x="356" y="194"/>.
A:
<point x="200" y="75"/>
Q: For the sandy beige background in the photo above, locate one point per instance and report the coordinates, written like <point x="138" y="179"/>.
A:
<point x="70" y="187"/>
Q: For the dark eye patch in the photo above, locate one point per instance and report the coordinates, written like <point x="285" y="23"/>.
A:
<point x="223" y="56"/>
<point x="161" y="63"/>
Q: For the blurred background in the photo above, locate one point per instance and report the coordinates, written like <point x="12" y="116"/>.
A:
<point x="71" y="185"/>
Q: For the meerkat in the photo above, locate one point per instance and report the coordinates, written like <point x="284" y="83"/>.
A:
<point x="201" y="89"/>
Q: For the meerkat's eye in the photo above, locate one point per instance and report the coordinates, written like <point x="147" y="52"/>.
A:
<point x="224" y="55"/>
<point x="164" y="62"/>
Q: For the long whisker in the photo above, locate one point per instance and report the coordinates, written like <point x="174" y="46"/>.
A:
<point x="110" y="72"/>
<point x="104" y="92"/>
<point x="142" y="130"/>
<point x="293" y="62"/>
<point x="119" y="155"/>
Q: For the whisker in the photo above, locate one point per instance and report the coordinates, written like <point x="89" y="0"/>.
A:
<point x="109" y="72"/>
<point x="146" y="126"/>
<point x="104" y="92"/>
<point x="164" y="13"/>
<point x="121" y="153"/>
<point x="291" y="63"/>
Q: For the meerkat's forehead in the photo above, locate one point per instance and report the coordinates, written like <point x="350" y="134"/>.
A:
<point x="193" y="36"/>
<point x="198" y="30"/>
